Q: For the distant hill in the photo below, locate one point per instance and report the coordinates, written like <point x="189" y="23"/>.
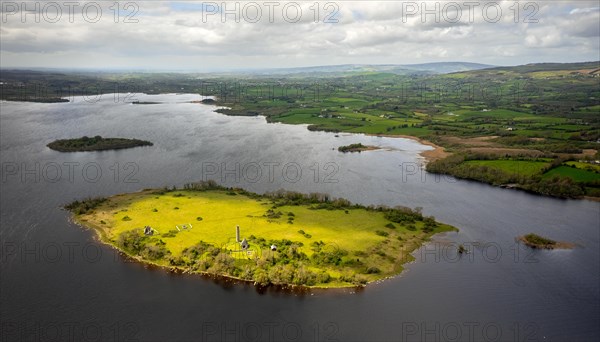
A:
<point x="537" y="67"/>
<point x="329" y="70"/>
<point x="536" y="70"/>
<point x="399" y="69"/>
<point x="447" y="67"/>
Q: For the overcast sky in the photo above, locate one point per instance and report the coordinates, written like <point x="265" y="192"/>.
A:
<point x="189" y="35"/>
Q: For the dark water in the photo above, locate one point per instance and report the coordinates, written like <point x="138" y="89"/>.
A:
<point x="57" y="283"/>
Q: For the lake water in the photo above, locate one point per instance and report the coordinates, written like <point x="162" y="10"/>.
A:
<point x="58" y="283"/>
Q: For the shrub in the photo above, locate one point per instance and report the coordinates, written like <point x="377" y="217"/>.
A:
<point x="403" y="215"/>
<point x="154" y="252"/>
<point x="261" y="276"/>
<point x="170" y="233"/>
<point x="83" y="207"/>
<point x="538" y="240"/>
<point x="373" y="270"/>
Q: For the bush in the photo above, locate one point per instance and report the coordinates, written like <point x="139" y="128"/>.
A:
<point x="556" y="186"/>
<point x="154" y="252"/>
<point x="132" y="241"/>
<point x="429" y="224"/>
<point x="261" y="276"/>
<point x="199" y="249"/>
<point x="538" y="240"/>
<point x="85" y="206"/>
<point x="373" y="270"/>
<point x="170" y="233"/>
<point x="381" y="233"/>
<point x="328" y="257"/>
<point x="403" y="215"/>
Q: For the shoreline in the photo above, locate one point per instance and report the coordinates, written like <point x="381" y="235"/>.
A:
<point x="101" y="237"/>
<point x="437" y="153"/>
<point x="107" y="235"/>
<point x="225" y="277"/>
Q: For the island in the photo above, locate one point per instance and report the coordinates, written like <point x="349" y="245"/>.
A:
<point x="96" y="143"/>
<point x="145" y="102"/>
<point x="535" y="241"/>
<point x="281" y="238"/>
<point x="356" y="148"/>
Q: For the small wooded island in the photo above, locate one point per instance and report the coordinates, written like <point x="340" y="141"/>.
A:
<point x="356" y="148"/>
<point x="96" y="143"/>
<point x="283" y="238"/>
<point x="535" y="241"/>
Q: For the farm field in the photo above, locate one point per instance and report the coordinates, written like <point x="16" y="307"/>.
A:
<point x="522" y="167"/>
<point x="578" y="175"/>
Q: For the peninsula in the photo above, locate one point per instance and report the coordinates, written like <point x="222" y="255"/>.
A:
<point x="96" y="143"/>
<point x="282" y="238"/>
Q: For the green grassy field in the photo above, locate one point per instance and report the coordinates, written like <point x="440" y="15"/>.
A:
<point x="341" y="246"/>
<point x="584" y="166"/>
<point x="575" y="174"/>
<point x="522" y="167"/>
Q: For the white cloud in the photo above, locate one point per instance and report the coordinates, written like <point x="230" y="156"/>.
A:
<point x="176" y="35"/>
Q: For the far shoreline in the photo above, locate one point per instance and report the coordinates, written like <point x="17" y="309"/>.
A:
<point x="437" y="153"/>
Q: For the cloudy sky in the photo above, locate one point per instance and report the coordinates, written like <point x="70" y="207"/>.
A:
<point x="206" y="36"/>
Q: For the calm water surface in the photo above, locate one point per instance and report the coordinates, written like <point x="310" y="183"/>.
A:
<point x="58" y="283"/>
